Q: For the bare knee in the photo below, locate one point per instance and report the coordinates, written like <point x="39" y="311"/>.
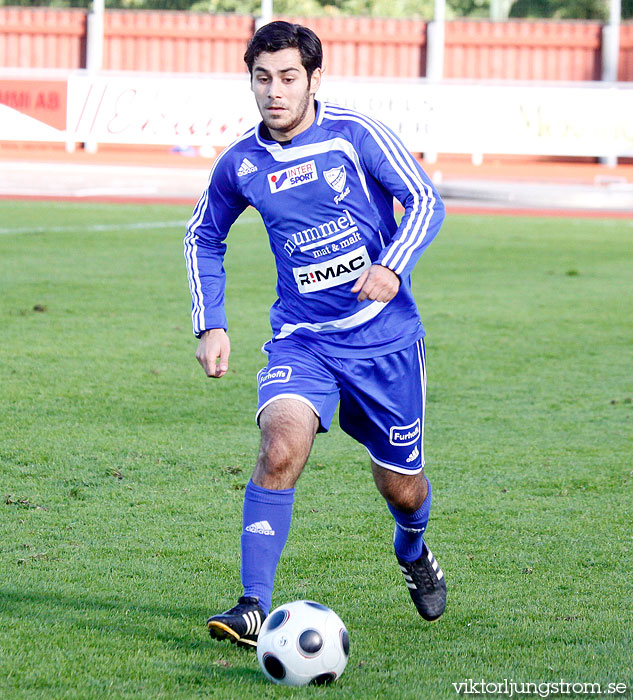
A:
<point x="288" y="428"/>
<point x="403" y="491"/>
<point x="276" y="456"/>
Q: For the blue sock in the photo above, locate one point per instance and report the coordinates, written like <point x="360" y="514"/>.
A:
<point x="408" y="538"/>
<point x="266" y="523"/>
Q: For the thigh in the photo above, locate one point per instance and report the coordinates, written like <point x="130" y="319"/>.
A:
<point x="295" y="372"/>
<point x="288" y="428"/>
<point x="382" y="407"/>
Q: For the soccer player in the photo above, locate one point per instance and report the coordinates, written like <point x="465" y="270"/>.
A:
<point x="345" y="327"/>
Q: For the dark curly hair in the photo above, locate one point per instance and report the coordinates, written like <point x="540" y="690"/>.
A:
<point x="284" y="35"/>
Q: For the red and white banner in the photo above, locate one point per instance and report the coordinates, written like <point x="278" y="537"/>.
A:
<point x="165" y="109"/>
<point x="32" y="109"/>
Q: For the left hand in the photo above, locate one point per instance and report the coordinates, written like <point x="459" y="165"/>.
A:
<point x="377" y="283"/>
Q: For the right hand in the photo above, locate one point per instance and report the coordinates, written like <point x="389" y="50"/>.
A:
<point x="214" y="344"/>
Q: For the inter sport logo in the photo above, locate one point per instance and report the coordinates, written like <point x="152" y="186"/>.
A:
<point x="293" y="177"/>
<point x="331" y="273"/>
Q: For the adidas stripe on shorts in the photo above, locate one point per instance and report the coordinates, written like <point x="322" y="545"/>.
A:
<point x="381" y="399"/>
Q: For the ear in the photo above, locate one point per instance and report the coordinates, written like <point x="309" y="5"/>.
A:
<point x="315" y="81"/>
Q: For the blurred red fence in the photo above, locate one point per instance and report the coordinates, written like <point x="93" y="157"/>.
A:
<point x="196" y="42"/>
<point x="175" y="41"/>
<point x="523" y="50"/>
<point x="366" y="46"/>
<point x="625" y="71"/>
<point x="42" y="38"/>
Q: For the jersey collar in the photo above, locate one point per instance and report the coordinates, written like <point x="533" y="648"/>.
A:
<point x="265" y="140"/>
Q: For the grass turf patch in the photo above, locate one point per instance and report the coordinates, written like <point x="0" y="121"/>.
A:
<point x="123" y="467"/>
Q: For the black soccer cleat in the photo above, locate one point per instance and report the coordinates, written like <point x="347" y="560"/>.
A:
<point x="240" y="625"/>
<point x="426" y="584"/>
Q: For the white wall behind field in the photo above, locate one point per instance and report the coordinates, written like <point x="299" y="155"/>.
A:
<point x="562" y="119"/>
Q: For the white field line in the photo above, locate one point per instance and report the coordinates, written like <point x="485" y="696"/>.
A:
<point x="53" y="168"/>
<point x="95" y="228"/>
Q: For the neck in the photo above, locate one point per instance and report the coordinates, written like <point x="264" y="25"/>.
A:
<point x="264" y="132"/>
<point x="307" y="121"/>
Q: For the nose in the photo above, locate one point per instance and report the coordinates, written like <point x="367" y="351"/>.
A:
<point x="274" y="88"/>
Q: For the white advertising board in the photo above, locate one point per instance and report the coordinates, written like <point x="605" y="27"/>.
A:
<point x="582" y="119"/>
<point x="587" y="120"/>
<point x="159" y="109"/>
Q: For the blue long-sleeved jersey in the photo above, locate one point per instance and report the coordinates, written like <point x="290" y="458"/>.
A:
<point x="326" y="199"/>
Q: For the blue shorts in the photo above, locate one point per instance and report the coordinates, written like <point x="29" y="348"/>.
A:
<point x="381" y="399"/>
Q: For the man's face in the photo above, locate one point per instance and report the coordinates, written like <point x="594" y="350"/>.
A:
<point x="283" y="94"/>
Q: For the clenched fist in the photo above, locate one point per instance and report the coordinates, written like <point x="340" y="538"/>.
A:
<point x="214" y="344"/>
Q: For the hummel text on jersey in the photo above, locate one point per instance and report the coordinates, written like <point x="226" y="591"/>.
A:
<point x="331" y="273"/>
<point x="293" y="177"/>
<point x="404" y="434"/>
<point x="313" y="237"/>
<point x="262" y="527"/>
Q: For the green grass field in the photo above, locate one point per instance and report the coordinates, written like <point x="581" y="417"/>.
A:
<point x="122" y="467"/>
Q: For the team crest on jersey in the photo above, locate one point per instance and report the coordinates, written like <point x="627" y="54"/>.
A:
<point x="297" y="175"/>
<point x="336" y="178"/>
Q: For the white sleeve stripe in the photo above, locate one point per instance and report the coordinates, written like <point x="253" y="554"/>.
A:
<point x="407" y="159"/>
<point x="200" y="207"/>
<point x="403" y="246"/>
<point x="194" y="279"/>
<point x="191" y="248"/>
<point x="197" y="309"/>
<point x="415" y="229"/>
<point x="412" y="225"/>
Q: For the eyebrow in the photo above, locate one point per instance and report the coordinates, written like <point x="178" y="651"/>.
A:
<point x="260" y="69"/>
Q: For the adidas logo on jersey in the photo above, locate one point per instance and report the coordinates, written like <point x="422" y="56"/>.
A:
<point x="413" y="455"/>
<point x="246" y="168"/>
<point x="263" y="527"/>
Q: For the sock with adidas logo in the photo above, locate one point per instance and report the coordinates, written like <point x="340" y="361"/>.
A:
<point x="408" y="538"/>
<point x="266" y="524"/>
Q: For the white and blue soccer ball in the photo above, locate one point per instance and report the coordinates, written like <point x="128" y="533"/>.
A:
<point x="303" y="642"/>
